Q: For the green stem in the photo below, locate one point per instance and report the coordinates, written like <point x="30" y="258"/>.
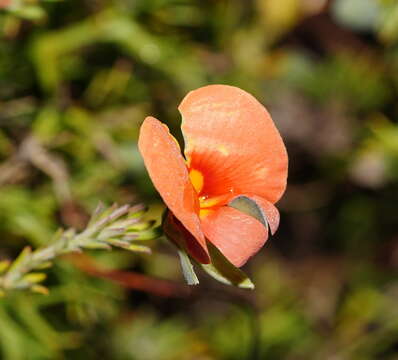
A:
<point x="111" y="227"/>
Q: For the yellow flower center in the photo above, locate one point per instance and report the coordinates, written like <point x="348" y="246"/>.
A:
<point x="206" y="203"/>
<point x="196" y="179"/>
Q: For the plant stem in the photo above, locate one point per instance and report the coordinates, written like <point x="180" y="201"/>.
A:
<point x="116" y="226"/>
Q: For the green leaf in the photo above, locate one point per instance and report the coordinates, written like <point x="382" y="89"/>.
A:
<point x="96" y="245"/>
<point x="249" y="207"/>
<point x="149" y="234"/>
<point x="22" y="258"/>
<point x="187" y="268"/>
<point x="34" y="278"/>
<point x="99" y="210"/>
<point x="222" y="270"/>
<point x="140" y="226"/>
<point x="139" y="248"/>
<point x="40" y="289"/>
<point x="137" y="211"/>
<point x="45" y="265"/>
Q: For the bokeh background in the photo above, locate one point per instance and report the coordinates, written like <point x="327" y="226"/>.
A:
<point x="77" y="78"/>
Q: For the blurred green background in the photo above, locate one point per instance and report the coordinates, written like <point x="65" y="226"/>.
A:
<point x="77" y="77"/>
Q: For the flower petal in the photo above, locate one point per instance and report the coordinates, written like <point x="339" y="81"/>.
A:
<point x="177" y="233"/>
<point x="237" y="235"/>
<point x="169" y="174"/>
<point x="258" y="207"/>
<point x="231" y="139"/>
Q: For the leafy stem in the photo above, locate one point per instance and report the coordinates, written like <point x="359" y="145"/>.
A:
<point x="121" y="227"/>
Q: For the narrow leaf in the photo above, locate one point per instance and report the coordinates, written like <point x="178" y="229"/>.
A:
<point x="96" y="214"/>
<point x="143" y="225"/>
<point x="137" y="211"/>
<point x="149" y="234"/>
<point x="40" y="289"/>
<point x="22" y="258"/>
<point x="45" y="265"/>
<point x="139" y="248"/>
<point x="96" y="245"/>
<point x="34" y="278"/>
<point x="110" y="232"/>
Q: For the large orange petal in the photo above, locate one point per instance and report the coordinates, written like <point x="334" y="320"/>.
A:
<point x="169" y="174"/>
<point x="237" y="235"/>
<point x="231" y="139"/>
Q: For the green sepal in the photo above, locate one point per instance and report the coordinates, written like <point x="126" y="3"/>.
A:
<point x="187" y="268"/>
<point x="222" y="270"/>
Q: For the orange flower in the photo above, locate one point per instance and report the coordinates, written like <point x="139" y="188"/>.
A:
<point x="232" y="150"/>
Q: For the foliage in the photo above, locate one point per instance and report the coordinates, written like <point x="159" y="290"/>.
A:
<point x="120" y="227"/>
